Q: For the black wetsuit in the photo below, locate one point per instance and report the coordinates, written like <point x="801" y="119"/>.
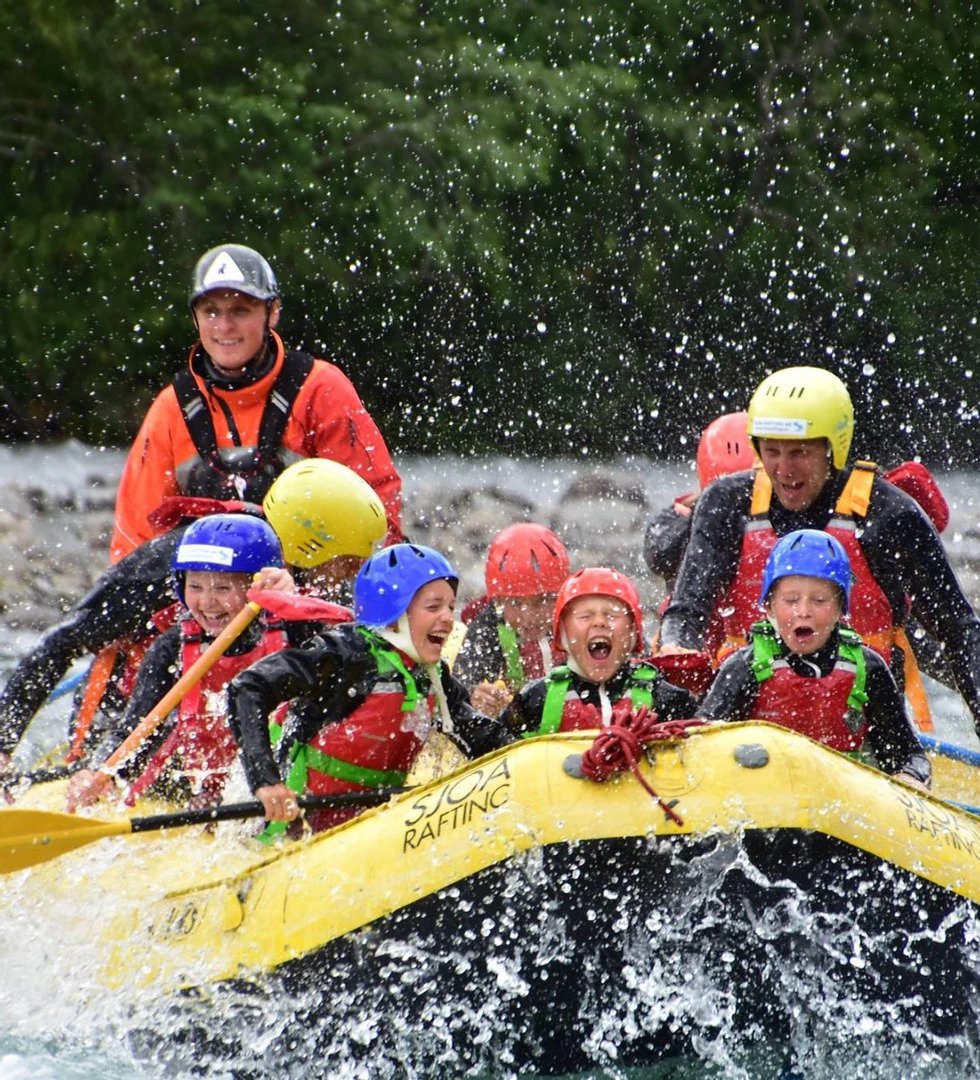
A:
<point x="121" y="604"/>
<point x="665" y="542"/>
<point x="331" y="676"/>
<point x="480" y="658"/>
<point x="890" y="732"/>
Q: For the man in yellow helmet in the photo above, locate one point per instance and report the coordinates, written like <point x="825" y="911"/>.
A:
<point x="328" y="520"/>
<point x="801" y="422"/>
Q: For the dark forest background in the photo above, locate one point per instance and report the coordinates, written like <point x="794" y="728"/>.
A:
<point x="525" y="227"/>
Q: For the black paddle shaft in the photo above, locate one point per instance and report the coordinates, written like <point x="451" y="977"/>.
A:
<point x="237" y="811"/>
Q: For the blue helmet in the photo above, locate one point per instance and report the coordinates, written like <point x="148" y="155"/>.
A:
<point x="386" y="583"/>
<point x="808" y="553"/>
<point x="229" y="543"/>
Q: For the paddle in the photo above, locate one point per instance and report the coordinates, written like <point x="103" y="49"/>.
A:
<point x="175" y="695"/>
<point x="285" y="605"/>
<point x="299" y="606"/>
<point x="68" y="684"/>
<point x="30" y="837"/>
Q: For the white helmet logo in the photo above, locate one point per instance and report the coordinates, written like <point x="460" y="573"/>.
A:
<point x="223" y="269"/>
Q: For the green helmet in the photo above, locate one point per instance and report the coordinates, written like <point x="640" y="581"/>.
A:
<point x="234" y="266"/>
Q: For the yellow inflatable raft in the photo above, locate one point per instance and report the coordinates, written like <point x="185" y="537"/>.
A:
<point x="490" y="859"/>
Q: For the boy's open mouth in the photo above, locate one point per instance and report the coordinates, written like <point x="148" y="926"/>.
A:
<point x="803" y="633"/>
<point x="600" y="648"/>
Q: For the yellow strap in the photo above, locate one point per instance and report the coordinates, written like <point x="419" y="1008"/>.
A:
<point x="761" y="494"/>
<point x="856" y="497"/>
<point x="882" y="641"/>
<point x="915" y="691"/>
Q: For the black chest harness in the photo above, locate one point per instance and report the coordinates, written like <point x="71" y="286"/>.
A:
<point x="238" y="472"/>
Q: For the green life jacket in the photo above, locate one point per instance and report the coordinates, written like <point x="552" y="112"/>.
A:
<point x="513" y="665"/>
<point x="639" y="686"/>
<point x="304" y="756"/>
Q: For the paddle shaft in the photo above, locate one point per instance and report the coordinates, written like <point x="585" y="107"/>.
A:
<point x="30" y="837"/>
<point x="240" y="811"/>
<point x="155" y="717"/>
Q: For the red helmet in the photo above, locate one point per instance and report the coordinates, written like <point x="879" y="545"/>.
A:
<point x="725" y="447"/>
<point x="600" y="581"/>
<point x="525" y="560"/>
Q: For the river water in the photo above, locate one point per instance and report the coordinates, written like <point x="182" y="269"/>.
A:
<point x="50" y="1030"/>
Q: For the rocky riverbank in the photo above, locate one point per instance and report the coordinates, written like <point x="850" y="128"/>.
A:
<point x="56" y="518"/>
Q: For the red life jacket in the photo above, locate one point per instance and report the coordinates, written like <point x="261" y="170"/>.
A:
<point x="816" y="707"/>
<point x="871" y="614"/>
<point x="201" y="737"/>
<point x="376" y="744"/>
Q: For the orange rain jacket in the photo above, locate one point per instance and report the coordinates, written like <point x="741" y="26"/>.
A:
<point x="327" y="420"/>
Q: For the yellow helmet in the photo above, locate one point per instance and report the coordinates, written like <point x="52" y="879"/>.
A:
<point x="321" y="509"/>
<point x="804" y="403"/>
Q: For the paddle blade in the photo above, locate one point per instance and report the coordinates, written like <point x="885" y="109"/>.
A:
<point x="296" y="606"/>
<point x="29" y="837"/>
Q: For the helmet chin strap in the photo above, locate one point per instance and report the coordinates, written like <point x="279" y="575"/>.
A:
<point x="401" y="637"/>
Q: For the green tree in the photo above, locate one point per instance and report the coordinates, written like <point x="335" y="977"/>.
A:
<point x="521" y="226"/>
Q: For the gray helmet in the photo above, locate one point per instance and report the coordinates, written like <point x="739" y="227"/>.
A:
<point x="234" y="266"/>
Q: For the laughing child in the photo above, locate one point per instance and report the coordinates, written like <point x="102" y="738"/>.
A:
<point x="598" y="621"/>
<point x="189" y="756"/>
<point x="804" y="670"/>
<point x="368" y="692"/>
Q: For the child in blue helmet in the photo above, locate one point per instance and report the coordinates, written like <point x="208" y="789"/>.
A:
<point x="217" y="560"/>
<point x="805" y="670"/>
<point x="368" y="693"/>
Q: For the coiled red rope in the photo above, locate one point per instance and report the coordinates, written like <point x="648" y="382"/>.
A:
<point x="621" y="745"/>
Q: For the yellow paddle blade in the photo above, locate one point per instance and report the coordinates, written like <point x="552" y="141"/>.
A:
<point x="29" y="837"/>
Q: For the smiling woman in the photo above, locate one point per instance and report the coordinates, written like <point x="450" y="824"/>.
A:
<point x="212" y="434"/>
<point x="233" y="327"/>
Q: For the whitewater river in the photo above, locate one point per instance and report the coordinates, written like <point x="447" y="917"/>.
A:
<point x="48" y="1029"/>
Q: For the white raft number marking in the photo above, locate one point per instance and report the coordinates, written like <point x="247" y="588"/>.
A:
<point x="456" y="804"/>
<point x="941" y="825"/>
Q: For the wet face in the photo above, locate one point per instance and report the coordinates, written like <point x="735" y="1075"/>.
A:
<point x="804" y="611"/>
<point x="232" y="327"/>
<point x="529" y="616"/>
<point x="798" y="469"/>
<point x="430" y="619"/>
<point x="215" y="597"/>
<point x="600" y="635"/>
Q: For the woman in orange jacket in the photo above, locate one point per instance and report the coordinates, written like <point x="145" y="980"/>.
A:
<point x="244" y="408"/>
